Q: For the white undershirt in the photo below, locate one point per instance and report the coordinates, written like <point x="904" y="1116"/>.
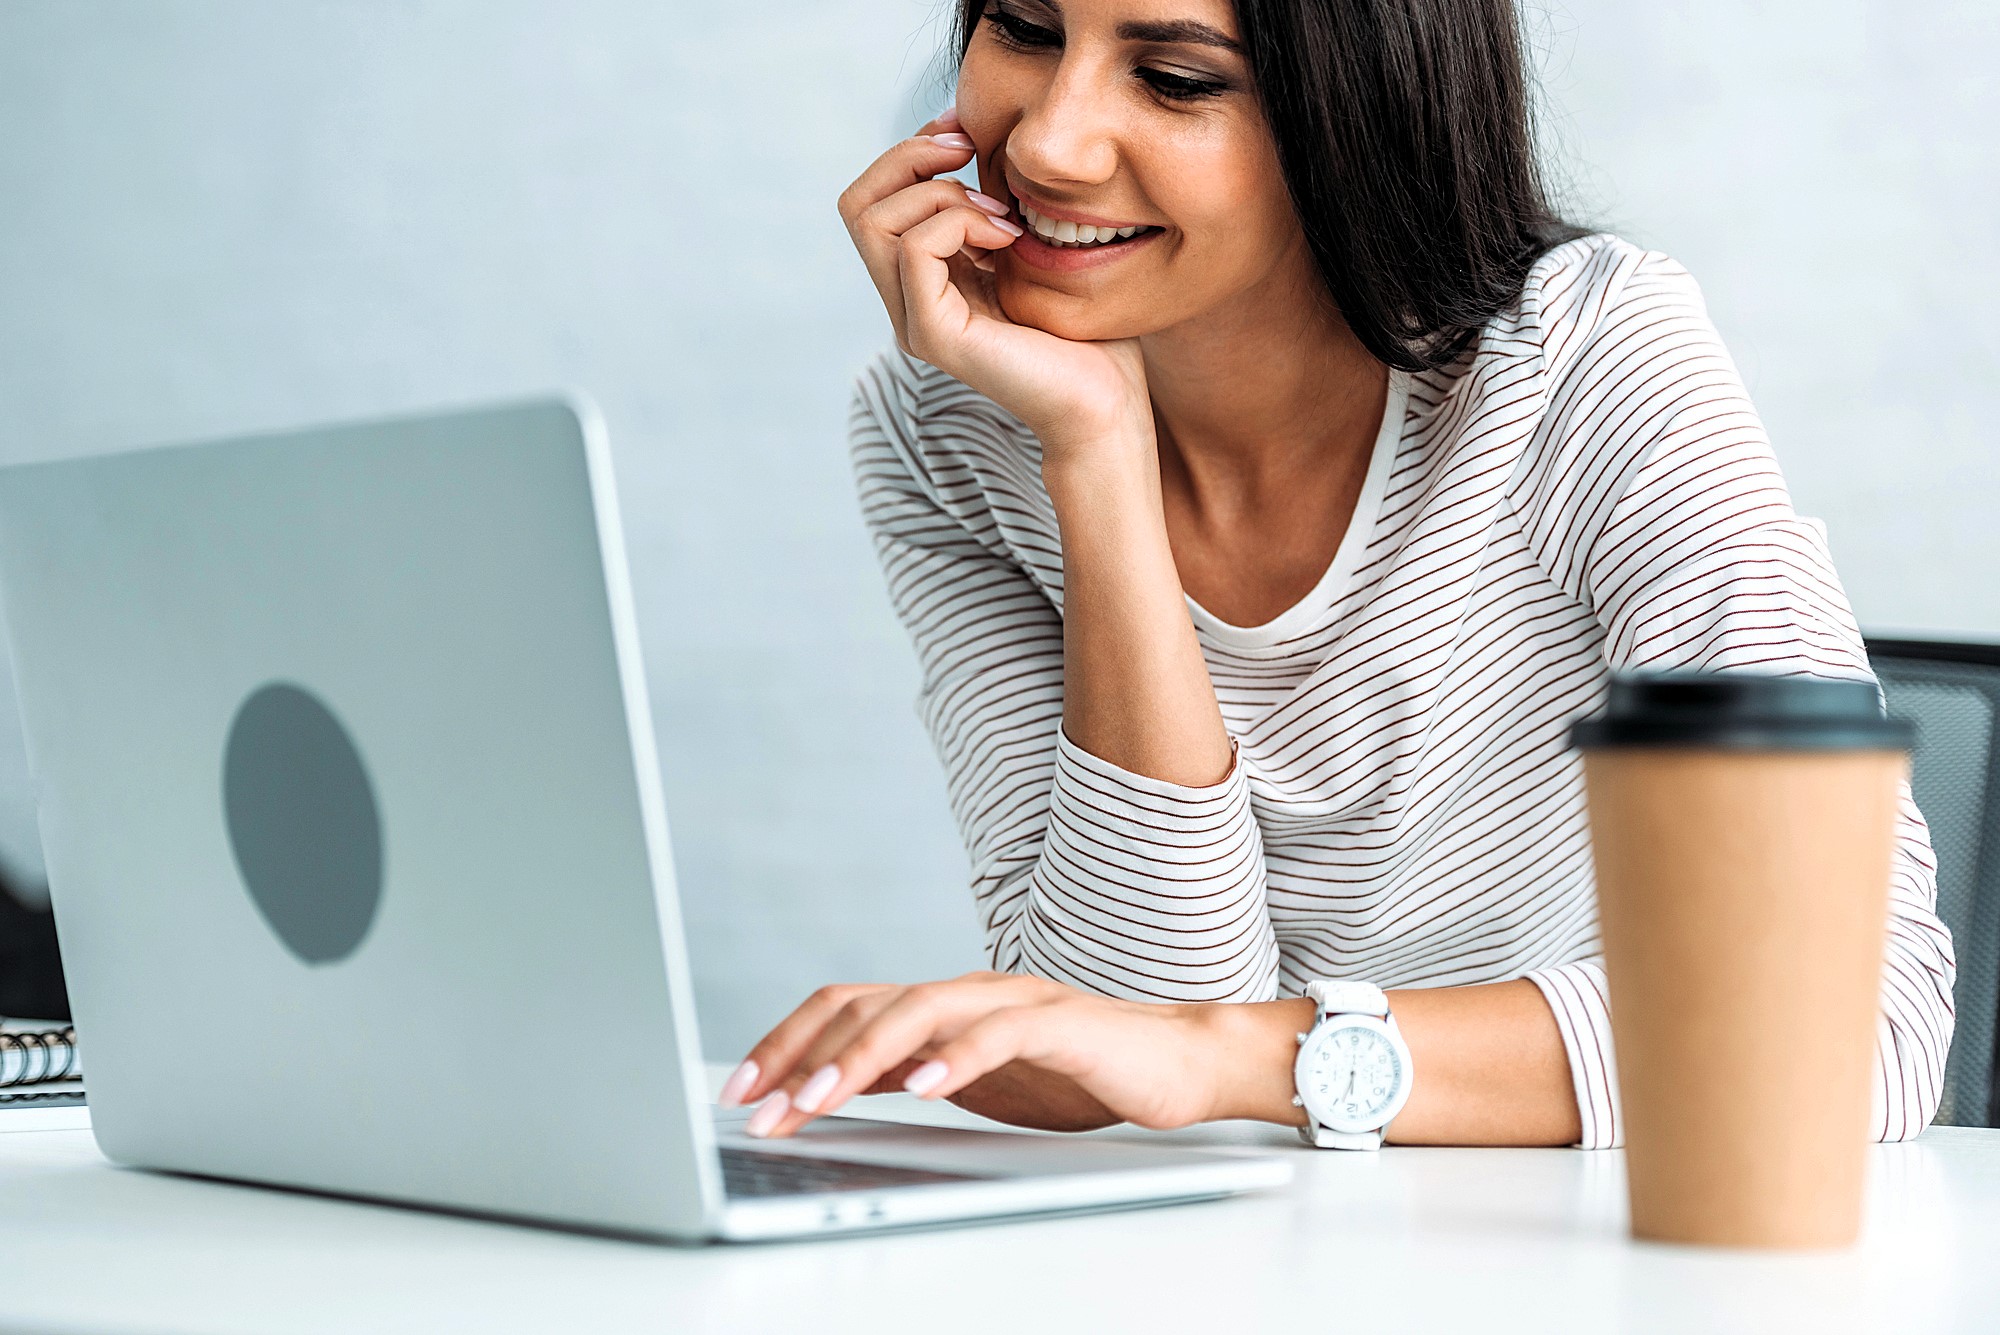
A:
<point x="1334" y="580"/>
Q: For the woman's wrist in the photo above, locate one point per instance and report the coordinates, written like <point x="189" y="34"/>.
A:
<point x="1247" y="1052"/>
<point x="1086" y="462"/>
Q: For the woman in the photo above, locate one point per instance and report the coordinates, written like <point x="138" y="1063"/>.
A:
<point x="1266" y="478"/>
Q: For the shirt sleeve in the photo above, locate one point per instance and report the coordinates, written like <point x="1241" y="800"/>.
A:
<point x="1082" y="872"/>
<point x="1674" y="525"/>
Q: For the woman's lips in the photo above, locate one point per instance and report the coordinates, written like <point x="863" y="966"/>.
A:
<point x="1036" y="253"/>
<point x="1023" y="199"/>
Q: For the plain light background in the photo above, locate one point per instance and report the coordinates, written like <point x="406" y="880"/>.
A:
<point x="220" y="217"/>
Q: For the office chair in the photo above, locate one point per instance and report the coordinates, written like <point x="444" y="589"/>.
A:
<point x="1951" y="691"/>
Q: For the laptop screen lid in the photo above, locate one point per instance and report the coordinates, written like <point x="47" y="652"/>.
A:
<point x="352" y="816"/>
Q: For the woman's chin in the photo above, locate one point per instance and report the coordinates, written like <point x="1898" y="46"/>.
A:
<point x="1066" y="315"/>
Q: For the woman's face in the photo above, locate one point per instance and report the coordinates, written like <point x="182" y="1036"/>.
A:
<point x="1126" y="114"/>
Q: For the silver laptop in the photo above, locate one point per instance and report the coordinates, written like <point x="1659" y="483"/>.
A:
<point x="354" y="828"/>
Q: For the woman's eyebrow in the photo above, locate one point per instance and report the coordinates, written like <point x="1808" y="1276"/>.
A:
<point x="1178" y="30"/>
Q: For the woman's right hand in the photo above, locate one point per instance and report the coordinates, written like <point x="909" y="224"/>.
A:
<point x="925" y="243"/>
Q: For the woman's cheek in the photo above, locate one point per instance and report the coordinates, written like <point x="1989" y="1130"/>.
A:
<point x="983" y="113"/>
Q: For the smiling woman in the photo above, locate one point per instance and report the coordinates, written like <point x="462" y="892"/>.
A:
<point x="1404" y="147"/>
<point x="1266" y="477"/>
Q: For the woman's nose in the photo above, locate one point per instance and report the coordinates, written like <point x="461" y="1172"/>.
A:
<point x="1069" y="134"/>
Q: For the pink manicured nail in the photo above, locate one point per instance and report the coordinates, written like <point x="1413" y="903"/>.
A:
<point x="947" y="117"/>
<point x="737" y="1085"/>
<point x="987" y="202"/>
<point x="958" y="141"/>
<point x="769" y="1113"/>
<point x="817" y="1088"/>
<point x="1011" y="228"/>
<point x="926" y="1078"/>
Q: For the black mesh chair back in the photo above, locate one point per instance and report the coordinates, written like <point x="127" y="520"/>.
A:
<point x="1951" y="691"/>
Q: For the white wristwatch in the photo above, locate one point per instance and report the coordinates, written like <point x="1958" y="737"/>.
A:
<point x="1353" y="1071"/>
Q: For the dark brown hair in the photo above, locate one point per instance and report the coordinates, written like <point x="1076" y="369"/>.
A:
<point x="1403" y="130"/>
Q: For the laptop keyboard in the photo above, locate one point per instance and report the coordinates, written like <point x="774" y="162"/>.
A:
<point x="756" y="1173"/>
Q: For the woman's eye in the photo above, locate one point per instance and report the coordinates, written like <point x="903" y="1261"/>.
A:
<point x="1179" y="87"/>
<point x="1017" y="31"/>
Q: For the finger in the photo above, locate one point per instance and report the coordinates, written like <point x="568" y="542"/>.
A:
<point x="774" y="1056"/>
<point x="878" y="232"/>
<point x="805" y="1084"/>
<point x="933" y="310"/>
<point x="897" y="214"/>
<point x="1012" y="1033"/>
<point x="916" y="159"/>
<point x="945" y="121"/>
<point x="968" y="268"/>
<point x="892" y="1080"/>
<point x="848" y="1059"/>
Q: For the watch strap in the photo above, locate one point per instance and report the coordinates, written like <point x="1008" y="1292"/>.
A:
<point x="1348" y="998"/>
<point x="1321" y="1138"/>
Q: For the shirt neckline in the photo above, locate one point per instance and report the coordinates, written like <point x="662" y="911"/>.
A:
<point x="1332" y="584"/>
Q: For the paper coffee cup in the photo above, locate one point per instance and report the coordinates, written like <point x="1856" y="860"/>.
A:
<point x="1742" y="828"/>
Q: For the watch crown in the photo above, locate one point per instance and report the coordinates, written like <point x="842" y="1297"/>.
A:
<point x="1300" y="1039"/>
<point x="1298" y="1102"/>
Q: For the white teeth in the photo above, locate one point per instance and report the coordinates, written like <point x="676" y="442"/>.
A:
<point x="1062" y="232"/>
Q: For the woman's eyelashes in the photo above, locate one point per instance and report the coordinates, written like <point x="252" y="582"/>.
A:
<point x="1179" y="87"/>
<point x="1022" y="34"/>
<point x="1017" y="31"/>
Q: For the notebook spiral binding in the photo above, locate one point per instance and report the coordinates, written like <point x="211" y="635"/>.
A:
<point x="66" y="1097"/>
<point x="49" y="1054"/>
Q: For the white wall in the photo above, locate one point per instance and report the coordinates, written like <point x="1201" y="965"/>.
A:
<point x="226" y="216"/>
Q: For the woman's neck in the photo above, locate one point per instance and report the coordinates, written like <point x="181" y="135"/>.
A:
<point x="1248" y="395"/>
<point x="1266" y="415"/>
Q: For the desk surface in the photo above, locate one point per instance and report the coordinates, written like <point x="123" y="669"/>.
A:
<point x="1409" y="1239"/>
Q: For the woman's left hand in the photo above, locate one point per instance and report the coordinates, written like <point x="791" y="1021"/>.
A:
<point x="1020" y="1050"/>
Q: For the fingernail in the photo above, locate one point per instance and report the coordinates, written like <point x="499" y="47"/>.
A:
<point x="1011" y="228"/>
<point x="949" y="116"/>
<point x="987" y="202"/>
<point x="927" y="1077"/>
<point x="737" y="1085"/>
<point x="958" y="141"/>
<point x="817" y="1088"/>
<point x="769" y="1113"/>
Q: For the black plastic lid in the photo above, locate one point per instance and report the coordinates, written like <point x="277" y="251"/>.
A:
<point x="1748" y="711"/>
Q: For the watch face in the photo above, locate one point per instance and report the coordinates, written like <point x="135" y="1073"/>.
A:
<point x="1351" y="1076"/>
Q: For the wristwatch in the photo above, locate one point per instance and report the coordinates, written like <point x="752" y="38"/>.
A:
<point x="1353" y="1070"/>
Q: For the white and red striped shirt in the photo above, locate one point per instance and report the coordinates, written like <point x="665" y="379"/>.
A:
<point x="1587" y="489"/>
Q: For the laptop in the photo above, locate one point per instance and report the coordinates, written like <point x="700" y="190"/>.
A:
<point x="358" y="851"/>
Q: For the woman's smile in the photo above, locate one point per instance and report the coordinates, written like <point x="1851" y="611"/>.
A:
<point x="1064" y="241"/>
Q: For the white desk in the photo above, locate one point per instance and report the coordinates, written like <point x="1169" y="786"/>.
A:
<point x="1408" y="1240"/>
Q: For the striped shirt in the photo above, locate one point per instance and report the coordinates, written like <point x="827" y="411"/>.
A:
<point x="1587" y="489"/>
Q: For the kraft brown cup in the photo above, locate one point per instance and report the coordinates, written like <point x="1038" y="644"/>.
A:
<point x="1742" y="829"/>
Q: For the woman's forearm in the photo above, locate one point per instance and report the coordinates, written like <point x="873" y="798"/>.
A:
<point x="1490" y="1068"/>
<point x="1487" y="1062"/>
<point x="1136" y="690"/>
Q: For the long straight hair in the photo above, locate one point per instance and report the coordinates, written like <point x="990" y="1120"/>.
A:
<point x="1403" y="132"/>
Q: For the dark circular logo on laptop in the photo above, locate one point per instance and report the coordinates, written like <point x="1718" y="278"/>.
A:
<point x="303" y="822"/>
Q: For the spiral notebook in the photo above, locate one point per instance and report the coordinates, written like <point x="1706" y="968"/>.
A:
<point x="39" y="1066"/>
